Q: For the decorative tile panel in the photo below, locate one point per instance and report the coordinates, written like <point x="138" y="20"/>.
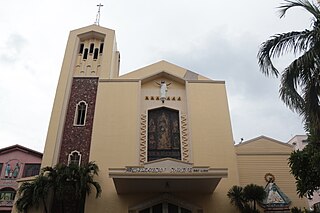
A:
<point x="143" y="139"/>
<point x="184" y="138"/>
<point x="79" y="137"/>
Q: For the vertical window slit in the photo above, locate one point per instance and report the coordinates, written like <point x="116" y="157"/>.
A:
<point x="85" y="55"/>
<point x="101" y="47"/>
<point x="91" y="48"/>
<point x="81" y="48"/>
<point x="96" y="51"/>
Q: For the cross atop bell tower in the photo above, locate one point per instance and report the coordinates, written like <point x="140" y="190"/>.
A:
<point x="97" y="22"/>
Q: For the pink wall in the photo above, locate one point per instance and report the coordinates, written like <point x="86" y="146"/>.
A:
<point x="15" y="156"/>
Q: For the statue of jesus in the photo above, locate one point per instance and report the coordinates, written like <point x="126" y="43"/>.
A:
<point x="163" y="90"/>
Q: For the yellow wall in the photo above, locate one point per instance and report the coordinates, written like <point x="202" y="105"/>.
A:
<point x="114" y="139"/>
<point x="211" y="135"/>
<point x="264" y="155"/>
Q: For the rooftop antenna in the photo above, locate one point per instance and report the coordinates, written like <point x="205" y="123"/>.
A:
<point x="98" y="14"/>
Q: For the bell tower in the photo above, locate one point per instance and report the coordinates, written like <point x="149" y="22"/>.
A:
<point x="91" y="55"/>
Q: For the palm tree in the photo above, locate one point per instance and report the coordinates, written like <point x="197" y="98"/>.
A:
<point x="240" y="197"/>
<point x="83" y="182"/>
<point x="72" y="183"/>
<point x="25" y="193"/>
<point x="32" y="193"/>
<point x="254" y="193"/>
<point x="300" y="81"/>
<point x="235" y="194"/>
<point x="57" y="176"/>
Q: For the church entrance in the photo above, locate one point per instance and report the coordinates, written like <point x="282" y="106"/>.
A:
<point x="165" y="208"/>
<point x="165" y="203"/>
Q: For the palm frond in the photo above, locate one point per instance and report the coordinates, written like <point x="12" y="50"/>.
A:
<point x="97" y="187"/>
<point x="25" y="193"/>
<point x="305" y="4"/>
<point x="235" y="194"/>
<point x="32" y="193"/>
<point x="281" y="44"/>
<point x="295" y="75"/>
<point x="299" y="87"/>
<point x="312" y="109"/>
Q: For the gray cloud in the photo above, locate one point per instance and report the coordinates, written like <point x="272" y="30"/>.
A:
<point x="13" y="48"/>
<point x="253" y="98"/>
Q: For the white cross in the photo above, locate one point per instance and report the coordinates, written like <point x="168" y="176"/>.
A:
<point x="98" y="14"/>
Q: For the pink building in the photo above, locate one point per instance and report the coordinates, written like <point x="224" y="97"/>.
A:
<point x="15" y="162"/>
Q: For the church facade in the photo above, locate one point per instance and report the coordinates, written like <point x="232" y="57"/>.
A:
<point x="161" y="135"/>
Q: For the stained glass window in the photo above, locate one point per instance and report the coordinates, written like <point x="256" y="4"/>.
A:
<point x="163" y="134"/>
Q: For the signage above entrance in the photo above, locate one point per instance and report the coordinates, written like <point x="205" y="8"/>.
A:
<point x="167" y="175"/>
<point x="166" y="170"/>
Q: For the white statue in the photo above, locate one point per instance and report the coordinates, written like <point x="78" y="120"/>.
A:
<point x="163" y="90"/>
<point x="16" y="171"/>
<point x="7" y="170"/>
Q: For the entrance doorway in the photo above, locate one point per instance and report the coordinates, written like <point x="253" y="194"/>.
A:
<point x="165" y="208"/>
<point x="165" y="203"/>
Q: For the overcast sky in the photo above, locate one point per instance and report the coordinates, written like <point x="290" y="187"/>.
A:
<point x="217" y="39"/>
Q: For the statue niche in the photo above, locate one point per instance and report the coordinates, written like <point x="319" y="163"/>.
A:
<point x="163" y="134"/>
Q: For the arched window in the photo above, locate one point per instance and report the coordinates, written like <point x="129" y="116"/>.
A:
<point x="81" y="111"/>
<point x="74" y="158"/>
<point x="163" y="134"/>
<point x="7" y="194"/>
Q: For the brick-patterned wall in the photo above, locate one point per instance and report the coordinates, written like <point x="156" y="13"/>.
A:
<point x="79" y="137"/>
